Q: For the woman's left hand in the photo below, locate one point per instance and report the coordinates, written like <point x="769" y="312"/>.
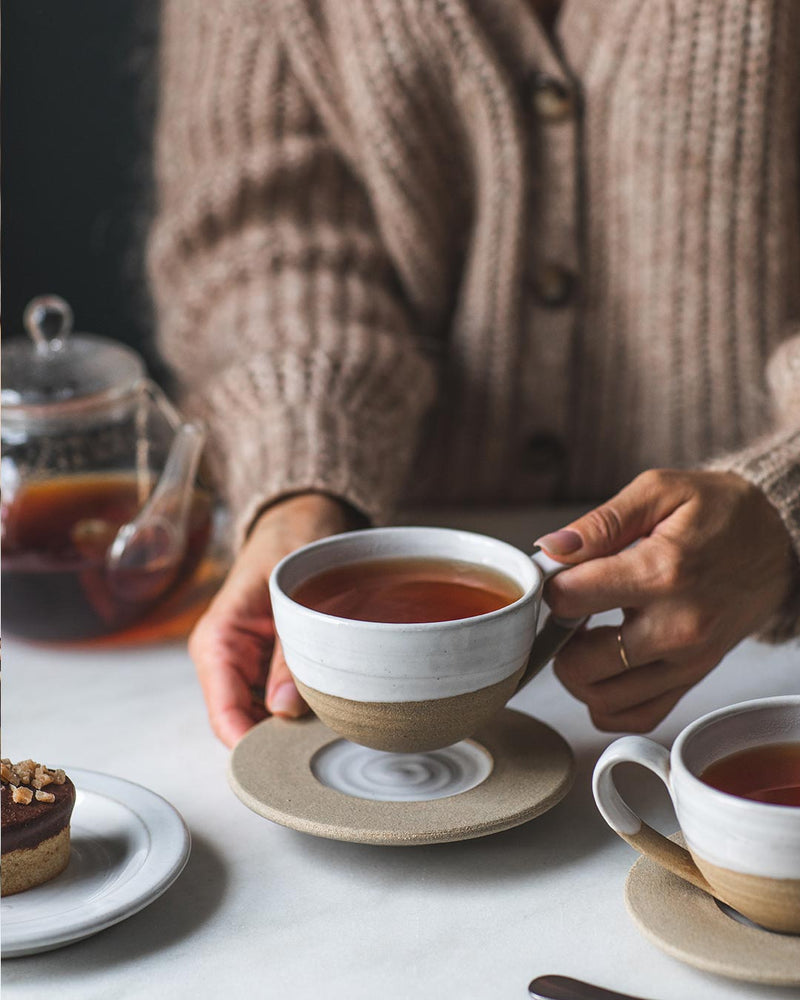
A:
<point x="711" y="565"/>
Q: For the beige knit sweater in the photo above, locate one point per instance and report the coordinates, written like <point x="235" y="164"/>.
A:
<point x="420" y="249"/>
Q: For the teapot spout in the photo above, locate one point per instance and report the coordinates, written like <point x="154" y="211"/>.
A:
<point x="147" y="552"/>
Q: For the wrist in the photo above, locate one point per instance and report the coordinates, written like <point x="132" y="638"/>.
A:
<point x="309" y="515"/>
<point x="778" y="552"/>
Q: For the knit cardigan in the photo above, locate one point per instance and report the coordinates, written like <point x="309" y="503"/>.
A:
<point x="360" y="203"/>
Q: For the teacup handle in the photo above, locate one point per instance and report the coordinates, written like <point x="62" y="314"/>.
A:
<point x="555" y="633"/>
<point x="624" y="821"/>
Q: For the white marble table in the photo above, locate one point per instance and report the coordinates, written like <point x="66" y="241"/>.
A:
<point x="262" y="911"/>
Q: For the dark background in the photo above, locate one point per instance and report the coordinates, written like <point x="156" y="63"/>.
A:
<point x="78" y="86"/>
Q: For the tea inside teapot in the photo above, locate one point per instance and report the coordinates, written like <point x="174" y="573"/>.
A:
<point x="56" y="537"/>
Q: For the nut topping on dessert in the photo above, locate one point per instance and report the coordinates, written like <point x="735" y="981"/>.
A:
<point x="28" y="772"/>
<point x="23" y="795"/>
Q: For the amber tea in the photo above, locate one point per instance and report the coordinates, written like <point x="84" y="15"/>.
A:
<point x="407" y="590"/>
<point x="767" y="773"/>
<point x="56" y="535"/>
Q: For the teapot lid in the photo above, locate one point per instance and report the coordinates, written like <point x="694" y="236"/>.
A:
<point x="56" y="366"/>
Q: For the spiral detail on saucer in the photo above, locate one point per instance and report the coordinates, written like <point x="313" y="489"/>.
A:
<point x="401" y="777"/>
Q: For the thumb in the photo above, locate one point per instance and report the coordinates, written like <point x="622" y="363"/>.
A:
<point x="620" y="521"/>
<point x="283" y="698"/>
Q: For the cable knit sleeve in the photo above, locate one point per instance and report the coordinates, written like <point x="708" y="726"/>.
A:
<point x="773" y="464"/>
<point x="278" y="306"/>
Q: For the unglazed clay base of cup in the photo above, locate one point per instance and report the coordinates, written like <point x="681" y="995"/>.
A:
<point x="772" y="902"/>
<point x="271" y="771"/>
<point x="410" y="726"/>
<point x="689" y="925"/>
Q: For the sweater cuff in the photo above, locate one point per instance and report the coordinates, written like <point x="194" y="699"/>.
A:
<point x="280" y="425"/>
<point x="773" y="465"/>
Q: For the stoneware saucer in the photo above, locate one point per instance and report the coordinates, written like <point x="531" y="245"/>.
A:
<point x="302" y="775"/>
<point x="689" y="925"/>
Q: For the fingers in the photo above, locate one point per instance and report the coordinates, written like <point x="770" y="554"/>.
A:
<point x="219" y="655"/>
<point x="283" y="697"/>
<point x="589" y="657"/>
<point x="626" y="517"/>
<point x="232" y="669"/>
<point x="230" y="718"/>
<point x="607" y="569"/>
<point x="641" y="718"/>
<point x="635" y="699"/>
<point x="630" y="579"/>
<point x="233" y="646"/>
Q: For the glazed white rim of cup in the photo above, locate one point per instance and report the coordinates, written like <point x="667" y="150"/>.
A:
<point x="530" y="592"/>
<point x="726" y="829"/>
<point x="678" y="764"/>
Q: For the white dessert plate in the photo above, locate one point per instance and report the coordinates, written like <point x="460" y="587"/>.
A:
<point x="128" y="847"/>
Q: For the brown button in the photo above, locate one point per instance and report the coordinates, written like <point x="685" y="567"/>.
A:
<point x="553" y="285"/>
<point x="544" y="453"/>
<point x="552" y="100"/>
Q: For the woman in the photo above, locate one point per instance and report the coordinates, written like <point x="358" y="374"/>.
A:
<point x="472" y="250"/>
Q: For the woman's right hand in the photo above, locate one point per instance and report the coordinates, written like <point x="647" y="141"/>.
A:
<point x="238" y="657"/>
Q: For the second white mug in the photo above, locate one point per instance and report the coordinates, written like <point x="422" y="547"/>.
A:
<point x="744" y="852"/>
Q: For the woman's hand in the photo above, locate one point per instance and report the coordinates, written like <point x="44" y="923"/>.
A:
<point x="234" y="646"/>
<point x="712" y="565"/>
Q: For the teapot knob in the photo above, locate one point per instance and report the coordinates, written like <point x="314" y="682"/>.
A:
<point x="48" y="319"/>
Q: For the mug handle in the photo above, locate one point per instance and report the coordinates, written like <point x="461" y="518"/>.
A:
<point x="624" y="821"/>
<point x="555" y="633"/>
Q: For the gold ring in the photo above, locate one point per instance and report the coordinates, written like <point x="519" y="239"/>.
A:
<point x="622" y="654"/>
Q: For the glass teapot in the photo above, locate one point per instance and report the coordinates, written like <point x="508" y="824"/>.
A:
<point x="101" y="512"/>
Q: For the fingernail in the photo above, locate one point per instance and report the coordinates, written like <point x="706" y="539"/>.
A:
<point x="561" y="543"/>
<point x="286" y="701"/>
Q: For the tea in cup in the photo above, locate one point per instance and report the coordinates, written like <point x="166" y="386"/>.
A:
<point x="409" y="639"/>
<point x="734" y="779"/>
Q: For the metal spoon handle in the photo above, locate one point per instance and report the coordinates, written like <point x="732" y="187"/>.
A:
<point x="565" y="988"/>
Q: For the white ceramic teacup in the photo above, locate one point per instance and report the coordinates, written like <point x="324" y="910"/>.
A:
<point x="418" y="686"/>
<point x="744" y="852"/>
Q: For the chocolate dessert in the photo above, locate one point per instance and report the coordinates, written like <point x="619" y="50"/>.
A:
<point x="36" y="805"/>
